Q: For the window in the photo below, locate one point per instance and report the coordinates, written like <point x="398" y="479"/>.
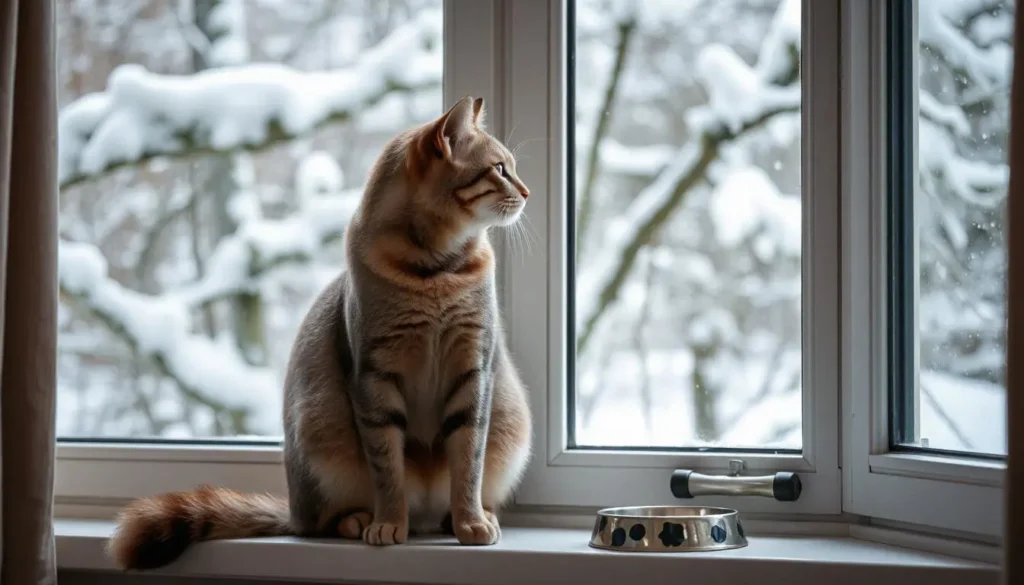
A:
<point x="766" y="230"/>
<point x="676" y="268"/>
<point x="206" y="180"/>
<point x="924" y="211"/>
<point x="950" y="121"/>
<point x="686" y="277"/>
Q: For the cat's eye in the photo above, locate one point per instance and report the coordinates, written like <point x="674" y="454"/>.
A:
<point x="500" y="167"/>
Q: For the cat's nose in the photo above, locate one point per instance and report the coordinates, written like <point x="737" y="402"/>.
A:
<point x="524" y="192"/>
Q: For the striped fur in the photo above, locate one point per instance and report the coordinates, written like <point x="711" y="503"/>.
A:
<point x="154" y="531"/>
<point x="403" y="411"/>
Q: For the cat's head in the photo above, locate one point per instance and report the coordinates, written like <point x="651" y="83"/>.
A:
<point x="459" y="174"/>
<point x="461" y="170"/>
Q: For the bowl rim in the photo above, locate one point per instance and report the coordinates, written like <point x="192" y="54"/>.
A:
<point x="630" y="512"/>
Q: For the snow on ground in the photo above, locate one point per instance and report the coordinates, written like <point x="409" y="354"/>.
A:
<point x="961" y="414"/>
<point x="956" y="413"/>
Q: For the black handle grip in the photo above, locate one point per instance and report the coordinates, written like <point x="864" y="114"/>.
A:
<point x="784" y="486"/>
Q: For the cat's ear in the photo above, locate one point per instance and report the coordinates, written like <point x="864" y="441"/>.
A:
<point x="479" y="113"/>
<point x="456" y="124"/>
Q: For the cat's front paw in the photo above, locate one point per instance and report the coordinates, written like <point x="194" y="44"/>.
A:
<point x="385" y="533"/>
<point x="479" y="529"/>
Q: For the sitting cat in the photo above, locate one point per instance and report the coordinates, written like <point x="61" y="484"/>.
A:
<point x="402" y="410"/>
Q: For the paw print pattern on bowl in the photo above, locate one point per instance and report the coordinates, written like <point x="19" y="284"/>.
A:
<point x="672" y="534"/>
<point x="618" y="537"/>
<point x="669" y="529"/>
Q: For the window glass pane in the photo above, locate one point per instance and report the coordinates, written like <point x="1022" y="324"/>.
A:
<point x="950" y="245"/>
<point x="211" y="153"/>
<point x="687" y="224"/>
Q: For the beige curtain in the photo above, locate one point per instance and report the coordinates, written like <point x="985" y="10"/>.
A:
<point x="1014" y="487"/>
<point x="28" y="288"/>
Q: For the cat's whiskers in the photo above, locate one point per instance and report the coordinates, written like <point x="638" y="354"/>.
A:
<point x="529" y="232"/>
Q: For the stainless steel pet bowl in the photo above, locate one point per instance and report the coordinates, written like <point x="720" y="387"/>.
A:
<point x="690" y="528"/>
<point x="667" y="529"/>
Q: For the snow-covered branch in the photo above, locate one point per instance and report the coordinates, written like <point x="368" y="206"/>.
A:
<point x="741" y="99"/>
<point x="212" y="371"/>
<point x="260" y="245"/>
<point x="208" y="371"/>
<point x="142" y="115"/>
<point x="938" y="31"/>
<point x="626" y="28"/>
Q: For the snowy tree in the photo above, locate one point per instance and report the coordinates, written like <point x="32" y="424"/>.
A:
<point x="966" y="58"/>
<point x="212" y="151"/>
<point x="688" y="278"/>
<point x="204" y="196"/>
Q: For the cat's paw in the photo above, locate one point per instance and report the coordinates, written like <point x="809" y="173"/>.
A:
<point x="385" y="533"/>
<point x="352" y="526"/>
<point x="482" y="529"/>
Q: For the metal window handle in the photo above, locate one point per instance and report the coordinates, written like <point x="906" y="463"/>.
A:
<point x="784" y="486"/>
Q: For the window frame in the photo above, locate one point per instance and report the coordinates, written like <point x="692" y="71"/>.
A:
<point x="561" y="477"/>
<point x="502" y="50"/>
<point x="107" y="473"/>
<point x="934" y="490"/>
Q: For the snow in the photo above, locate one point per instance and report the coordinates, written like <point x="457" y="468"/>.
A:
<point x="160" y="327"/>
<point x="634" y="159"/>
<point x="737" y="95"/>
<point x="937" y="27"/>
<point x="784" y="37"/>
<point x="318" y="174"/>
<point x="970" y="179"/>
<point x="722" y="273"/>
<point x="977" y="409"/>
<point x="142" y="113"/>
<point x="747" y="202"/>
<point x="260" y="244"/>
<point x="592" y="278"/>
<point x="229" y="47"/>
<point x="946" y="115"/>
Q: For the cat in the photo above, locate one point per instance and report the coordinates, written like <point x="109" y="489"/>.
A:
<point x="403" y="412"/>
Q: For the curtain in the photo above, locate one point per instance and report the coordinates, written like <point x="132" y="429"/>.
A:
<point x="28" y="289"/>
<point x="1014" y="486"/>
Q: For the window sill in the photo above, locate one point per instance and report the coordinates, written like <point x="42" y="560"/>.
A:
<point x="537" y="555"/>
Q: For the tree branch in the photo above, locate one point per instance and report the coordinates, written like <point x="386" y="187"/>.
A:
<point x="625" y="29"/>
<point x="689" y="169"/>
<point x="142" y="116"/>
<point x="258" y="246"/>
<point x="173" y="210"/>
<point x="207" y="371"/>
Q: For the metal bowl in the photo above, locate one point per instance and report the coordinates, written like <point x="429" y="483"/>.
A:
<point x="667" y="529"/>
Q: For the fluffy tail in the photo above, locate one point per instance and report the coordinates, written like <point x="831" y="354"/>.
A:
<point x="154" y="531"/>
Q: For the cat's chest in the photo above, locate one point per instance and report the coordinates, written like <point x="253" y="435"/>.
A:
<point x="433" y="354"/>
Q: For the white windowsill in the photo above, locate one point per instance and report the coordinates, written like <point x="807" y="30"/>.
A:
<point x="538" y="555"/>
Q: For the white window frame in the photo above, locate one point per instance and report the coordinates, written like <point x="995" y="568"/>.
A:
<point x="511" y="53"/>
<point x="933" y="490"/>
<point x="106" y="474"/>
<point x="536" y="311"/>
<point x="503" y="51"/>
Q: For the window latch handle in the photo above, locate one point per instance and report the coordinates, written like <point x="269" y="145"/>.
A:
<point x="784" y="486"/>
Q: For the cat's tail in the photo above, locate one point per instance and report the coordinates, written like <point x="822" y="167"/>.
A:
<point x="152" y="532"/>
